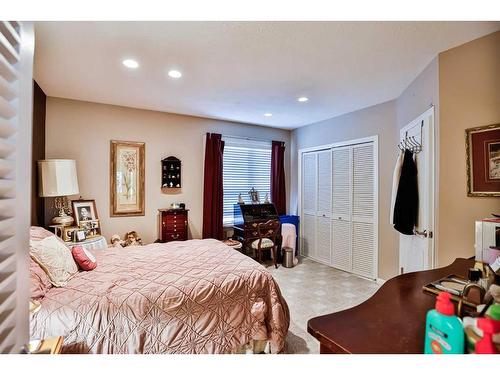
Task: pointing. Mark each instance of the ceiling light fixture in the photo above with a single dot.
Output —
(302, 99)
(131, 64)
(268, 114)
(174, 74)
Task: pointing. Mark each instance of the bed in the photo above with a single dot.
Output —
(197, 296)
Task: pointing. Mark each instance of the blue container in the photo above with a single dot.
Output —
(295, 220)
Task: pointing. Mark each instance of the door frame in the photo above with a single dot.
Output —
(352, 142)
(431, 184)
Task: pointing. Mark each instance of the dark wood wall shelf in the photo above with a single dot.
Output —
(171, 173)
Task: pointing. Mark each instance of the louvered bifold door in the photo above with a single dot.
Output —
(324, 206)
(13, 305)
(363, 210)
(341, 208)
(309, 203)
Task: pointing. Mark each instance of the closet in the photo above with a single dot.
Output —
(338, 189)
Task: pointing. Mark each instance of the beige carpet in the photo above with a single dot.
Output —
(313, 289)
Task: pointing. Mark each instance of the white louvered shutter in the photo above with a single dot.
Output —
(341, 208)
(341, 245)
(309, 200)
(309, 185)
(324, 206)
(341, 180)
(308, 224)
(363, 205)
(16, 58)
(363, 210)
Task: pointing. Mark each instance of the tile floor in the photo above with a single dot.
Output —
(313, 289)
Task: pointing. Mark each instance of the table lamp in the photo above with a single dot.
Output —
(58, 179)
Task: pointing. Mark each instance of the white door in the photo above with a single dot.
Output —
(341, 208)
(416, 252)
(309, 200)
(324, 206)
(364, 238)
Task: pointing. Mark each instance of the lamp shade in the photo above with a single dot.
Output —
(57, 177)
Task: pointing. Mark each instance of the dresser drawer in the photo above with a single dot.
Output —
(174, 236)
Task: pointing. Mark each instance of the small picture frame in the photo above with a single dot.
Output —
(84, 210)
(80, 235)
(91, 227)
(68, 233)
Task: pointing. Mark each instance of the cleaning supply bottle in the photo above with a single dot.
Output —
(489, 328)
(444, 333)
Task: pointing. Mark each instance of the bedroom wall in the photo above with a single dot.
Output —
(469, 83)
(82, 131)
(376, 120)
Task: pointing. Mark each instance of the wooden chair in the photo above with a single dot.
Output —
(267, 232)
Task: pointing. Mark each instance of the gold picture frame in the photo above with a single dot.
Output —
(478, 145)
(127, 176)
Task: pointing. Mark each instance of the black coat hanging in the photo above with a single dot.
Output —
(406, 206)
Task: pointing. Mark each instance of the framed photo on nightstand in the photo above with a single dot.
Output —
(84, 210)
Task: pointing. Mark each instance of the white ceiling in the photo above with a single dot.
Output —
(239, 70)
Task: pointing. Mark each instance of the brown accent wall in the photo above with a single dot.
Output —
(469, 96)
(38, 153)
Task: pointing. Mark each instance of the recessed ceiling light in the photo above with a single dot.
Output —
(131, 64)
(268, 114)
(174, 74)
(303, 99)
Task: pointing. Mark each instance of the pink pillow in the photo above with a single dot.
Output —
(83, 258)
(39, 281)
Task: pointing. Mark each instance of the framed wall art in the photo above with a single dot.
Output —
(483, 161)
(127, 178)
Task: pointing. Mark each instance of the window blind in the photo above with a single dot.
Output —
(246, 164)
(15, 143)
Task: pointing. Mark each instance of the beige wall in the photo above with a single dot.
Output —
(82, 131)
(469, 82)
(377, 120)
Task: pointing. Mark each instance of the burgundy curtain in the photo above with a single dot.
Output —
(212, 188)
(278, 192)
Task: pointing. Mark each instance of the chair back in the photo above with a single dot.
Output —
(269, 229)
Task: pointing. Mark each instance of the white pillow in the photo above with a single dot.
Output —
(55, 259)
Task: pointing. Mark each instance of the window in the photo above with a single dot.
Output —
(246, 164)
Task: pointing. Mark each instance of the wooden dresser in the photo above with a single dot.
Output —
(173, 224)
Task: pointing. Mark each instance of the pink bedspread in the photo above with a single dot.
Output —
(197, 296)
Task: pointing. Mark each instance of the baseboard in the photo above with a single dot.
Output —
(380, 281)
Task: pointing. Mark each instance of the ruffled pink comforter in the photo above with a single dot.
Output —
(197, 296)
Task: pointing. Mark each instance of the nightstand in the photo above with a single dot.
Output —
(93, 243)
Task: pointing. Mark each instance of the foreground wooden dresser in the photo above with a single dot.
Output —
(173, 224)
(392, 321)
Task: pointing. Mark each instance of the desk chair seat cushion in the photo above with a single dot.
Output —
(266, 244)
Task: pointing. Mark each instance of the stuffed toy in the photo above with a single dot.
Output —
(116, 241)
(132, 239)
